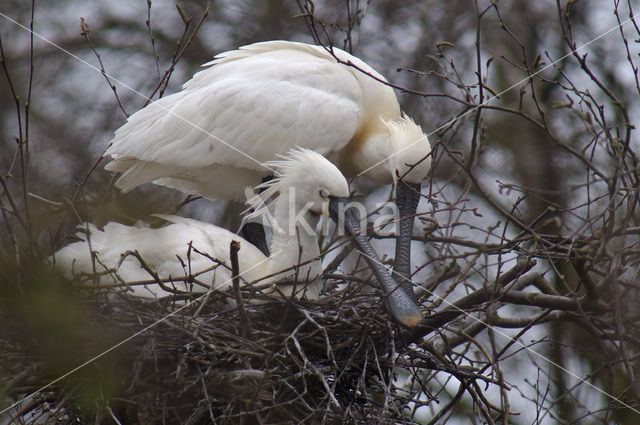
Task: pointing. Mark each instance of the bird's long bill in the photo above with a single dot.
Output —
(400, 305)
(407, 198)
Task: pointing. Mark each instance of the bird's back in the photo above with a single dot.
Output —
(248, 106)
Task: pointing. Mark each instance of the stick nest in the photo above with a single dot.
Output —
(275, 360)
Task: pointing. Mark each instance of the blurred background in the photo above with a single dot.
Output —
(546, 168)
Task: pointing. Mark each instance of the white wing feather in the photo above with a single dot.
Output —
(241, 113)
(160, 249)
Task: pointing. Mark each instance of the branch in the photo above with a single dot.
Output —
(471, 301)
(234, 247)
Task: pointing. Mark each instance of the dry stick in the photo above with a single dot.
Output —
(329, 49)
(153, 40)
(494, 291)
(310, 20)
(25, 142)
(342, 255)
(448, 410)
(458, 308)
(620, 330)
(473, 154)
(84, 28)
(20, 139)
(234, 247)
(186, 279)
(14, 208)
(151, 272)
(162, 84)
(188, 199)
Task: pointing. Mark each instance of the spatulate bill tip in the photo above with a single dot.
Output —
(411, 320)
(407, 314)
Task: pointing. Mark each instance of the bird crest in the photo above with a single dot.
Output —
(404, 129)
(287, 170)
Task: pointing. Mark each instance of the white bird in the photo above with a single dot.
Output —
(256, 102)
(306, 186)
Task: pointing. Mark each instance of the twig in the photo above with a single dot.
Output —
(234, 247)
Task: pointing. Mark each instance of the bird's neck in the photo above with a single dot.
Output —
(294, 242)
(368, 151)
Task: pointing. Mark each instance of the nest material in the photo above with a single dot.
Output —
(272, 361)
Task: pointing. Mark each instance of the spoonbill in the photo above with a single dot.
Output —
(256, 102)
(306, 185)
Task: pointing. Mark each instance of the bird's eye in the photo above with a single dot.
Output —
(324, 193)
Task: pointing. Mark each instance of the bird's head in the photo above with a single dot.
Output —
(316, 180)
(412, 152)
(308, 180)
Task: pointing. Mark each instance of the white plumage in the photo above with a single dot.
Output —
(254, 103)
(301, 189)
(214, 137)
